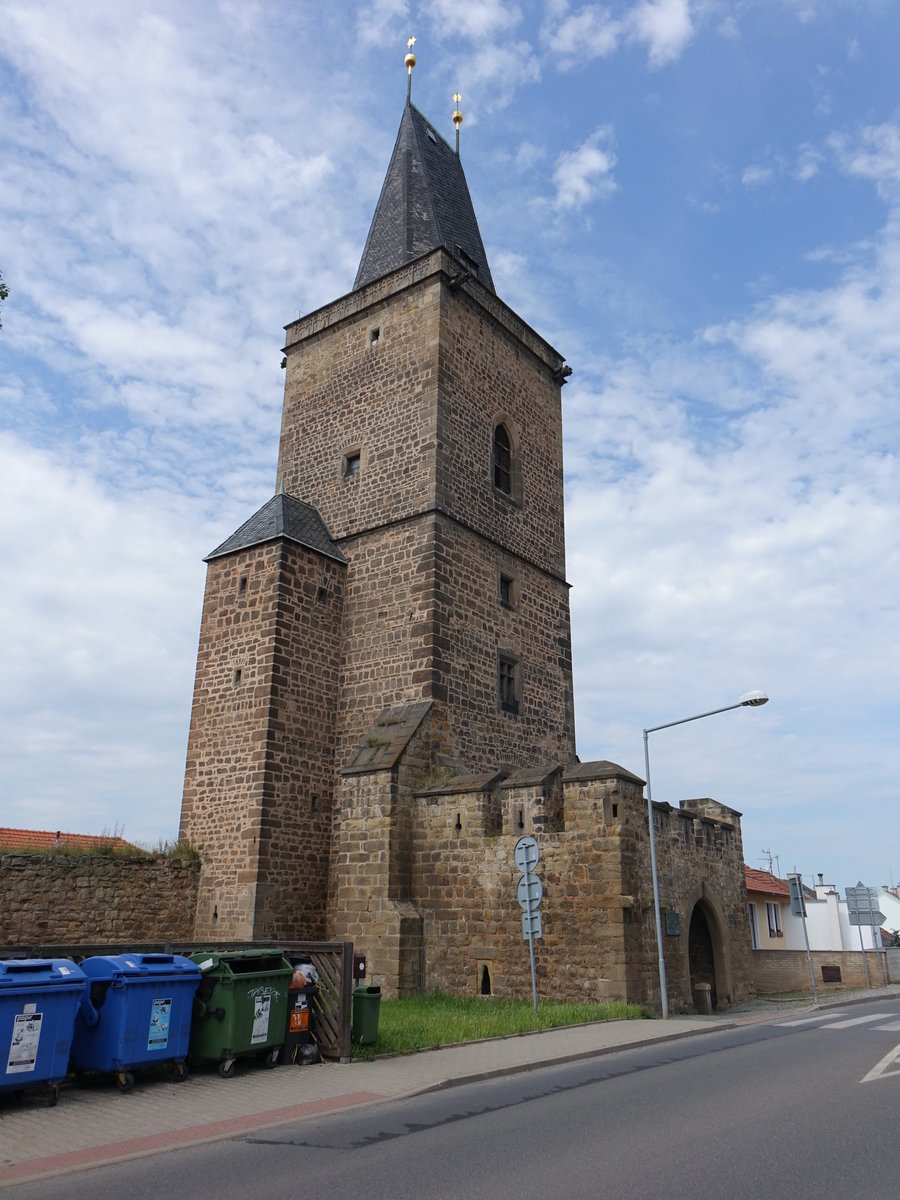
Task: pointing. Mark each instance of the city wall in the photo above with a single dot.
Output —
(54, 899)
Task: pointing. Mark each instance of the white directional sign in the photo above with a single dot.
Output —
(862, 906)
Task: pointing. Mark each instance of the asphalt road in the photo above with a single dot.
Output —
(800, 1108)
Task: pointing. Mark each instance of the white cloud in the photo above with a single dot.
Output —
(476, 22)
(591, 33)
(665, 26)
(809, 159)
(584, 174)
(757, 175)
(383, 22)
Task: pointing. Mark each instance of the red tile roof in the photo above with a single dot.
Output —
(765, 881)
(37, 839)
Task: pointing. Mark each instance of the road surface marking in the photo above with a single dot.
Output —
(891, 1027)
(882, 1069)
(859, 1021)
(810, 1020)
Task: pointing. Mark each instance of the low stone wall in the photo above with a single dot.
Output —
(52, 899)
(777, 971)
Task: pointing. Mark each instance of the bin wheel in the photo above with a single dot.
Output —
(124, 1081)
(226, 1068)
(53, 1096)
(271, 1057)
(180, 1072)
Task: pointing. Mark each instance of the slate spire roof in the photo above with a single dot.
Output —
(424, 204)
(282, 516)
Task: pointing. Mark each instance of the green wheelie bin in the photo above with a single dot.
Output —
(240, 1007)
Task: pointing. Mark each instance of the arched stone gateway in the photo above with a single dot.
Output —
(706, 960)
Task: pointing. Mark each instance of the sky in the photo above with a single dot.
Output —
(697, 202)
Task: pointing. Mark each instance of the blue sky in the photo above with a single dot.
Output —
(696, 201)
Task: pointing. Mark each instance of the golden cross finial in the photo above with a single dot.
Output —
(457, 118)
(409, 62)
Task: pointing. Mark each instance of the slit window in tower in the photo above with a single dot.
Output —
(502, 460)
(508, 683)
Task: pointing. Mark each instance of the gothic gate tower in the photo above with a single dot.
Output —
(398, 612)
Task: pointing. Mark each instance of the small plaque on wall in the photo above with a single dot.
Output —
(673, 924)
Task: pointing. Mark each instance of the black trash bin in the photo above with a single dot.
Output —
(364, 1016)
(299, 1044)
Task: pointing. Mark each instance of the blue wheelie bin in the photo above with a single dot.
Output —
(39, 998)
(135, 1012)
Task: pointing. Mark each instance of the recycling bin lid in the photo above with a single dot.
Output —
(38, 972)
(242, 962)
(115, 966)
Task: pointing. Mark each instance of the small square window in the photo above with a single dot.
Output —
(351, 464)
(237, 676)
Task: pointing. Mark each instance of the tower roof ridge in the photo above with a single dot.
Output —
(424, 204)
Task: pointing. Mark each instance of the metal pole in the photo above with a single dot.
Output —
(751, 700)
(812, 974)
(663, 994)
(529, 914)
(863, 953)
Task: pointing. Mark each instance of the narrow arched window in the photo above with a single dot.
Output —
(502, 460)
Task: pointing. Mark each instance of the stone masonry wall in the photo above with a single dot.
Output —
(423, 618)
(51, 899)
(258, 797)
(487, 376)
(298, 792)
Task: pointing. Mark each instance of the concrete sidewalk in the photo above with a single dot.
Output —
(93, 1125)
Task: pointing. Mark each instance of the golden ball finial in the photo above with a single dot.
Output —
(457, 115)
(410, 61)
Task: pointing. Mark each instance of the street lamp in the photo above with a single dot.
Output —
(749, 700)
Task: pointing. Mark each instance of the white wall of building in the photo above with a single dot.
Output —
(827, 924)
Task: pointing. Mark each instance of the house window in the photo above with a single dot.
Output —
(351, 463)
(773, 914)
(754, 926)
(508, 682)
(502, 460)
(242, 585)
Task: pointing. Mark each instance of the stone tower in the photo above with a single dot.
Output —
(383, 699)
(413, 556)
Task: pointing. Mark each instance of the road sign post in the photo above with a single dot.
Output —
(530, 890)
(862, 909)
(798, 908)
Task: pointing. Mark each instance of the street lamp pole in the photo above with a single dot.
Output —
(750, 700)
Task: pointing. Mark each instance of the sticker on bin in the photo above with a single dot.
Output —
(160, 1019)
(262, 1006)
(23, 1048)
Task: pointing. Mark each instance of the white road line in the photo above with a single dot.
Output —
(859, 1021)
(810, 1020)
(891, 1027)
(880, 1070)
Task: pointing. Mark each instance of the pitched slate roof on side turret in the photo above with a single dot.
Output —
(424, 204)
(282, 516)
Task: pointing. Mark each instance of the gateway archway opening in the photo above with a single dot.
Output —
(702, 955)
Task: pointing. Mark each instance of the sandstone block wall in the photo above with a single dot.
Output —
(258, 797)
(60, 898)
